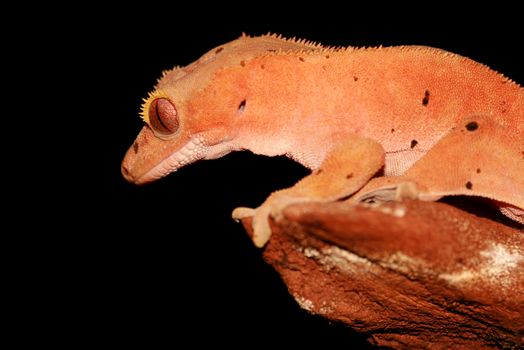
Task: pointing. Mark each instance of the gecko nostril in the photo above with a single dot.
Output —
(127, 174)
(125, 171)
(135, 147)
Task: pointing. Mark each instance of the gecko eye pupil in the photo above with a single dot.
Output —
(163, 117)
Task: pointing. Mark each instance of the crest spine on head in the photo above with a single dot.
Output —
(144, 109)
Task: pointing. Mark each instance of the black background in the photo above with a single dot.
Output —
(164, 263)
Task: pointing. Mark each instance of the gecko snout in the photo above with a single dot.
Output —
(125, 173)
(127, 169)
(129, 174)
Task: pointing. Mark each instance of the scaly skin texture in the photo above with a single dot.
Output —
(436, 123)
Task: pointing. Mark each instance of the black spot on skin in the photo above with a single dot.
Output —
(425, 100)
(301, 59)
(349, 176)
(413, 143)
(392, 130)
(135, 147)
(503, 105)
(478, 170)
(271, 50)
(355, 78)
(242, 106)
(327, 56)
(318, 171)
(243, 63)
(472, 126)
(262, 66)
(469, 185)
(217, 51)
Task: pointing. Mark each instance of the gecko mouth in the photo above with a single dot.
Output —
(189, 153)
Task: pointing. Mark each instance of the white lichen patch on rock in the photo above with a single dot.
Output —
(311, 252)
(404, 264)
(397, 210)
(496, 267)
(304, 303)
(458, 277)
(344, 260)
(326, 309)
(333, 256)
(501, 260)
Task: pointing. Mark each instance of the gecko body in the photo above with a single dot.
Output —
(373, 124)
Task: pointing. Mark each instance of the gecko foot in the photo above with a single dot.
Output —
(273, 207)
(242, 213)
(387, 189)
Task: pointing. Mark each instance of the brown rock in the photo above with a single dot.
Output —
(414, 275)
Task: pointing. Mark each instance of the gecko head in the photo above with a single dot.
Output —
(175, 135)
(204, 110)
(189, 116)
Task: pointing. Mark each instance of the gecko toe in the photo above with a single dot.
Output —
(242, 213)
(261, 228)
(260, 224)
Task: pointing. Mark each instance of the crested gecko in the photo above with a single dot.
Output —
(373, 124)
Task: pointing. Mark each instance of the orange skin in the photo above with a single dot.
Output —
(437, 123)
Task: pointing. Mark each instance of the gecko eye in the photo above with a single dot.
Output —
(162, 116)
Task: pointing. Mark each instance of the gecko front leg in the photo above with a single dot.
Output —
(346, 168)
